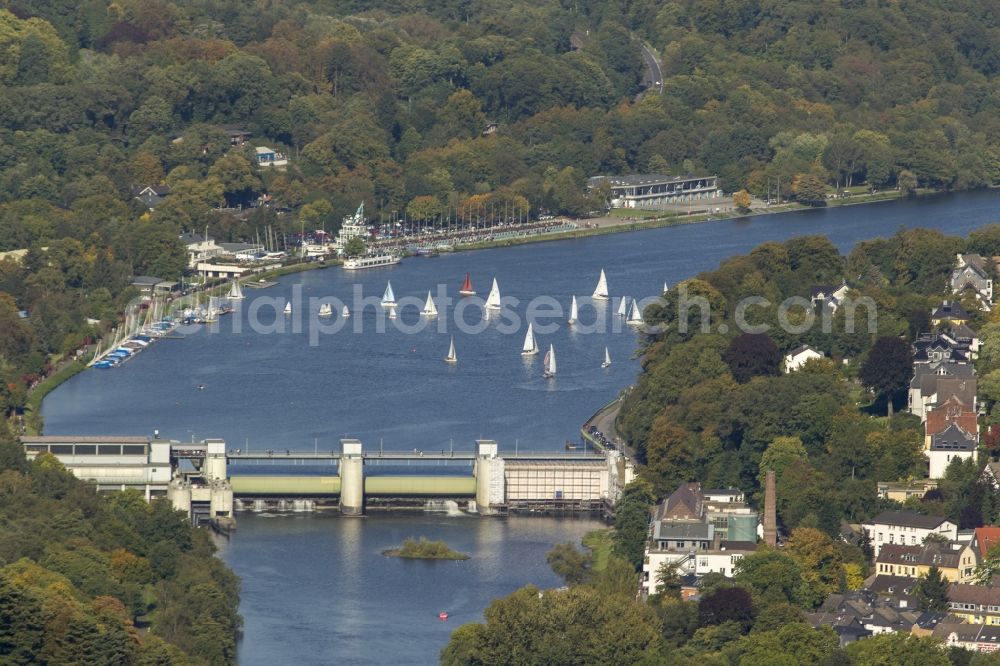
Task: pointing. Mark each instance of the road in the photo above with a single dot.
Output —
(654, 74)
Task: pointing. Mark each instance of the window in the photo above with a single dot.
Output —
(61, 449)
(134, 449)
(86, 449)
(678, 544)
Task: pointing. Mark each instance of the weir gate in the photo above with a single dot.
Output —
(209, 481)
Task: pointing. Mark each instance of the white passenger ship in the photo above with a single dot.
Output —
(371, 261)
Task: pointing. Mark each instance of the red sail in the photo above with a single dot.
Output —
(467, 285)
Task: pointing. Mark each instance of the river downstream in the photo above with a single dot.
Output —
(315, 588)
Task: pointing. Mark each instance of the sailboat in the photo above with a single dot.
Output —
(235, 292)
(665, 288)
(607, 358)
(549, 362)
(288, 308)
(392, 312)
(212, 315)
(346, 312)
(388, 298)
(325, 310)
(601, 292)
(623, 307)
(493, 300)
(530, 346)
(430, 310)
(467, 289)
(451, 357)
(573, 313)
(634, 315)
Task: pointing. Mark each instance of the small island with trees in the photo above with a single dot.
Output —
(422, 549)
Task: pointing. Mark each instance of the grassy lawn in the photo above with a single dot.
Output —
(599, 542)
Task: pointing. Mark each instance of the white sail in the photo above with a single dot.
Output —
(235, 292)
(635, 315)
(550, 362)
(573, 312)
(346, 312)
(388, 298)
(430, 310)
(601, 292)
(392, 312)
(288, 308)
(325, 310)
(623, 306)
(493, 300)
(451, 357)
(607, 358)
(665, 288)
(530, 346)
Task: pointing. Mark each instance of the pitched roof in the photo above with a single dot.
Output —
(929, 554)
(963, 332)
(683, 504)
(968, 633)
(953, 438)
(950, 310)
(980, 595)
(985, 538)
(908, 519)
(801, 349)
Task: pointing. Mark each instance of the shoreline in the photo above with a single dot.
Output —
(33, 407)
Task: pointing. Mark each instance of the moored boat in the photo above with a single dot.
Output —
(371, 261)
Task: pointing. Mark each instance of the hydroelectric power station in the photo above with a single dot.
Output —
(209, 481)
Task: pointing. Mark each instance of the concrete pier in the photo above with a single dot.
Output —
(352, 478)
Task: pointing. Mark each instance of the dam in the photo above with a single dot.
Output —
(210, 482)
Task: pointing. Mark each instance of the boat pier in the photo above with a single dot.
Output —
(210, 481)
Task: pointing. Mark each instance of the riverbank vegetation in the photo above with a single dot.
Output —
(105, 579)
(423, 549)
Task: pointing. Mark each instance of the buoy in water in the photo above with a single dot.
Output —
(442, 616)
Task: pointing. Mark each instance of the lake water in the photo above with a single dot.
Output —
(316, 589)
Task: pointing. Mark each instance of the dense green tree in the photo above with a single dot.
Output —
(931, 591)
(569, 563)
(750, 355)
(632, 520)
(886, 370)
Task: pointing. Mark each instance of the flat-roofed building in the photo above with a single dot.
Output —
(110, 462)
(657, 191)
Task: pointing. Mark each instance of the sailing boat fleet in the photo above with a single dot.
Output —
(628, 309)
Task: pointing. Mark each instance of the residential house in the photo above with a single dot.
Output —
(907, 527)
(151, 195)
(973, 273)
(975, 637)
(828, 295)
(237, 136)
(873, 613)
(951, 443)
(700, 531)
(983, 539)
(966, 335)
(490, 127)
(268, 157)
(799, 356)
(934, 347)
(951, 312)
(951, 411)
(916, 561)
(975, 604)
(933, 383)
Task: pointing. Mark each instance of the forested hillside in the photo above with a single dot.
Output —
(77, 568)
